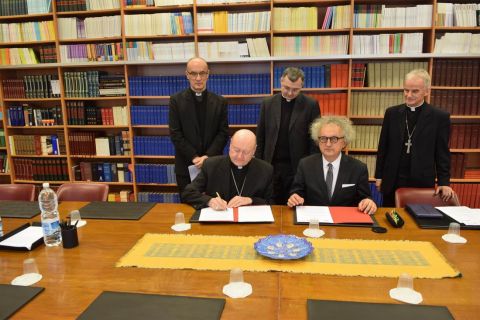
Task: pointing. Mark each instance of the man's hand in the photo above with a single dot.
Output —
(445, 192)
(218, 204)
(295, 200)
(367, 206)
(239, 201)
(378, 184)
(198, 161)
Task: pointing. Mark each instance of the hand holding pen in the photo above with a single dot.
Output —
(217, 203)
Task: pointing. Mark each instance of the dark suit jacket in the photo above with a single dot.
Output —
(430, 156)
(215, 177)
(310, 183)
(304, 112)
(185, 132)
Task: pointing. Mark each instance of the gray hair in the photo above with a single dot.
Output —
(343, 122)
(293, 74)
(422, 74)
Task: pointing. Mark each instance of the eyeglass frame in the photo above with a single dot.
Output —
(194, 75)
(333, 140)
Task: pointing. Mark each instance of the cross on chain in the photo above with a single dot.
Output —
(408, 144)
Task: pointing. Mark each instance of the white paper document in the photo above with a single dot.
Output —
(24, 239)
(462, 214)
(193, 172)
(245, 214)
(308, 213)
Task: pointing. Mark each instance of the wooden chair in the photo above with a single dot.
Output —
(405, 196)
(22, 192)
(82, 192)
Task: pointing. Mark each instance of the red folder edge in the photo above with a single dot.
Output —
(349, 215)
(235, 214)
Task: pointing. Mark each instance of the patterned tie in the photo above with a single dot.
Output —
(329, 181)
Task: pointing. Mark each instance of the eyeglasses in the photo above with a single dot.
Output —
(194, 75)
(333, 140)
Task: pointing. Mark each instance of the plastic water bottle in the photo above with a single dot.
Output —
(48, 203)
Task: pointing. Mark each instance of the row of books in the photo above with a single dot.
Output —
(467, 194)
(92, 52)
(38, 169)
(30, 116)
(458, 14)
(333, 75)
(84, 113)
(387, 43)
(472, 173)
(86, 5)
(376, 195)
(218, 1)
(381, 16)
(102, 171)
(251, 47)
(27, 31)
(243, 113)
(458, 42)
(152, 51)
(2, 138)
(158, 3)
(93, 84)
(92, 27)
(370, 160)
(374, 103)
(458, 73)
(32, 86)
(40, 145)
(153, 146)
(225, 84)
(457, 165)
(161, 197)
(149, 115)
(155, 173)
(157, 24)
(457, 102)
(465, 136)
(310, 45)
(225, 22)
(391, 74)
(3, 163)
(14, 56)
(332, 103)
(296, 18)
(88, 143)
(122, 196)
(367, 137)
(23, 7)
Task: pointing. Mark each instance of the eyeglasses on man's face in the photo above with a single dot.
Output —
(333, 140)
(194, 75)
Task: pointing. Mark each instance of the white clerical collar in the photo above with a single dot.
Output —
(414, 108)
(335, 163)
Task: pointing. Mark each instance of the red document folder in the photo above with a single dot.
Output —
(349, 215)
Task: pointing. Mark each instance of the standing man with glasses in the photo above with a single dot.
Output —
(413, 146)
(282, 131)
(332, 178)
(198, 122)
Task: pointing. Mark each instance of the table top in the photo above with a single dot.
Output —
(73, 278)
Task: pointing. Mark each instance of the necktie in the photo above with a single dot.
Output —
(329, 180)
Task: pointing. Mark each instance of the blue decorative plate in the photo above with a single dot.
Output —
(283, 247)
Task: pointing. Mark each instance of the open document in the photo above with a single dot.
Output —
(240, 214)
(331, 215)
(462, 214)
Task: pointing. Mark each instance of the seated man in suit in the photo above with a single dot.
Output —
(332, 178)
(234, 180)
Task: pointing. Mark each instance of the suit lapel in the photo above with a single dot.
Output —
(343, 172)
(210, 110)
(224, 180)
(276, 113)
(423, 119)
(191, 112)
(401, 124)
(321, 178)
(297, 109)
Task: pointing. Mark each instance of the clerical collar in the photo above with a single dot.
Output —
(198, 95)
(238, 168)
(289, 101)
(415, 108)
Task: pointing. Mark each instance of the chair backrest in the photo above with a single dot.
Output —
(23, 192)
(405, 196)
(82, 192)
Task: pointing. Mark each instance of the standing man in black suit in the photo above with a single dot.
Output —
(198, 122)
(282, 131)
(332, 178)
(413, 147)
(234, 180)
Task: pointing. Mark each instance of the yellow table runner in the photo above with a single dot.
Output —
(370, 258)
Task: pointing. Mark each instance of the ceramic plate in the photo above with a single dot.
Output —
(283, 247)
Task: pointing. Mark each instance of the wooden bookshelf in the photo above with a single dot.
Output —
(241, 65)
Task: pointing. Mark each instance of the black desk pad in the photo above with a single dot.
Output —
(346, 310)
(116, 210)
(123, 305)
(12, 298)
(438, 223)
(19, 209)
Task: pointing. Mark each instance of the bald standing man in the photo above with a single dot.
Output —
(232, 181)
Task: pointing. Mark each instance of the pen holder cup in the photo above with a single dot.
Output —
(70, 237)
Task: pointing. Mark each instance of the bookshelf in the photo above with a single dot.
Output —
(354, 61)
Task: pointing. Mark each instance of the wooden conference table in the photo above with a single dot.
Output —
(73, 278)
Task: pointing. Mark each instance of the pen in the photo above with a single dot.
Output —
(218, 195)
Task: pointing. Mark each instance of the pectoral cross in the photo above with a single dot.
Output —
(408, 144)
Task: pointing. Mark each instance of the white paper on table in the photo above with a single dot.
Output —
(462, 214)
(255, 214)
(308, 213)
(24, 238)
(193, 172)
(208, 214)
